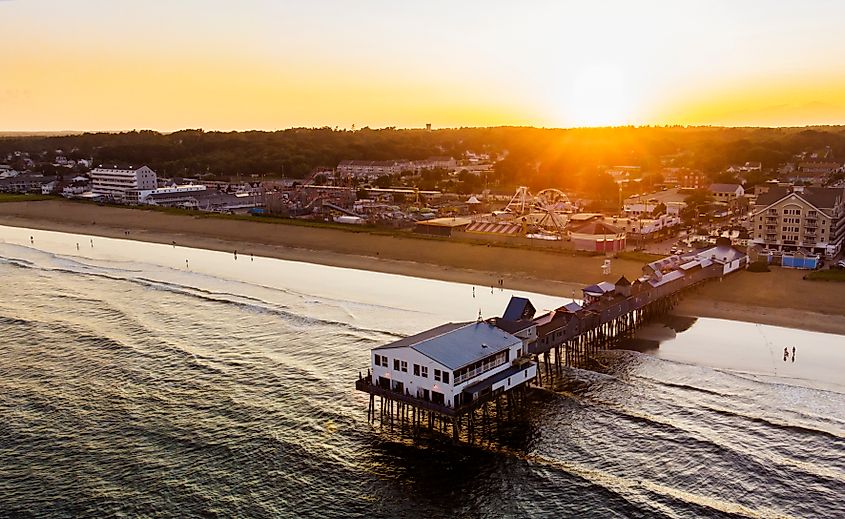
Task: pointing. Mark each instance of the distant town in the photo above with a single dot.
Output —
(790, 213)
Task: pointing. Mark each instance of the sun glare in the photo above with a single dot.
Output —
(598, 97)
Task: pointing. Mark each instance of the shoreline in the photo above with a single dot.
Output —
(791, 302)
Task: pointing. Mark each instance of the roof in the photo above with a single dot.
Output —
(623, 282)
(495, 228)
(571, 307)
(512, 326)
(446, 222)
(129, 167)
(597, 228)
(455, 345)
(724, 188)
(820, 197)
(722, 253)
(518, 308)
(599, 288)
(671, 276)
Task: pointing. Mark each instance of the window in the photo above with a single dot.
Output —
(424, 371)
(404, 366)
(395, 364)
(446, 376)
(377, 360)
(383, 361)
(437, 374)
(416, 370)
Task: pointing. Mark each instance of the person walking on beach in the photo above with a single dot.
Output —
(785, 353)
(793, 354)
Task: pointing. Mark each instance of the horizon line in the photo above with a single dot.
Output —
(67, 132)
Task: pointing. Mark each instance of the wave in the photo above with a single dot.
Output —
(241, 301)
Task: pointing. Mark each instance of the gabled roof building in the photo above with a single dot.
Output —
(800, 219)
(453, 364)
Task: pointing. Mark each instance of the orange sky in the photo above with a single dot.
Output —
(262, 64)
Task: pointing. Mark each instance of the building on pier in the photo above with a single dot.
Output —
(448, 375)
(455, 363)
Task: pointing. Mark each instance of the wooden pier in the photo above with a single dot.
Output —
(569, 336)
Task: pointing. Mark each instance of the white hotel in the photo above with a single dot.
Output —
(115, 181)
(454, 364)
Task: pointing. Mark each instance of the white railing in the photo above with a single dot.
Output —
(485, 367)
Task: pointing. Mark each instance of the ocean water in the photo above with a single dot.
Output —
(134, 384)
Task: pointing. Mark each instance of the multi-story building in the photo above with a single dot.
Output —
(115, 181)
(25, 183)
(377, 168)
(165, 196)
(795, 219)
(372, 168)
(814, 173)
(452, 364)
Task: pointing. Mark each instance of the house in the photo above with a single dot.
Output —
(114, 181)
(453, 364)
(48, 188)
(728, 194)
(76, 187)
(793, 219)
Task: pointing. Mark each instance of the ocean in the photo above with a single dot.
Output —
(140, 379)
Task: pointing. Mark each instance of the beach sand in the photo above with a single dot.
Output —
(779, 298)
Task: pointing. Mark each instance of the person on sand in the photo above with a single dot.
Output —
(785, 353)
(793, 354)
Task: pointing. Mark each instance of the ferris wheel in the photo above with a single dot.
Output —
(552, 200)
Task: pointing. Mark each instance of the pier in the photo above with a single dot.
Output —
(491, 363)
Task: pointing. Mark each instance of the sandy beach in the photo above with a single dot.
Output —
(779, 298)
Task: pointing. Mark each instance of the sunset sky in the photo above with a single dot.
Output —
(269, 64)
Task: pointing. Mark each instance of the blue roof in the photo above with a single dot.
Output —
(599, 288)
(455, 345)
(517, 308)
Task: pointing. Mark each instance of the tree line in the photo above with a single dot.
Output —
(538, 157)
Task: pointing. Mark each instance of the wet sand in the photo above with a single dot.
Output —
(780, 298)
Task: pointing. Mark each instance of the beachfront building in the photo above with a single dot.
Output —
(800, 219)
(173, 196)
(453, 364)
(114, 181)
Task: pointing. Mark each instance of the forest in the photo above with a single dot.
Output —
(541, 157)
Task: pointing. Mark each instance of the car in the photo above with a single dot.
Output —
(841, 264)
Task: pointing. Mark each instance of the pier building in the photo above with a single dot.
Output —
(450, 374)
(452, 364)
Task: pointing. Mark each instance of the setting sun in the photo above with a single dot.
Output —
(598, 97)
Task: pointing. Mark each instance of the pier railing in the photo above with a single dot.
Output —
(365, 385)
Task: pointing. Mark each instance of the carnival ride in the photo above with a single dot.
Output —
(548, 210)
